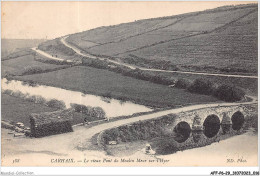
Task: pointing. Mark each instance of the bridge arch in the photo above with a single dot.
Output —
(238, 120)
(211, 125)
(182, 131)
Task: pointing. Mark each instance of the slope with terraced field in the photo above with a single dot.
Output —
(190, 40)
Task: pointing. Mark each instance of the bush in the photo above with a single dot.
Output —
(97, 112)
(32, 70)
(107, 95)
(29, 83)
(142, 130)
(96, 63)
(79, 108)
(201, 86)
(31, 98)
(229, 93)
(56, 104)
(39, 99)
(182, 83)
(90, 111)
(18, 94)
(7, 91)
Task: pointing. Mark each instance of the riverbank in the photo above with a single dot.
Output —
(112, 107)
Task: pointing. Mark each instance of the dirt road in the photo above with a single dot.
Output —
(63, 40)
(70, 143)
(49, 56)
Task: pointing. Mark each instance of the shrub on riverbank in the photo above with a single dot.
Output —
(201, 86)
(30, 83)
(229, 93)
(138, 131)
(182, 83)
(56, 104)
(36, 99)
(223, 92)
(97, 112)
(32, 70)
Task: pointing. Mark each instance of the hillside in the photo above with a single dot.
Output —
(222, 39)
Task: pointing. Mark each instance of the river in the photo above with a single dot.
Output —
(112, 107)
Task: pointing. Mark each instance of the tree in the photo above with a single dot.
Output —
(56, 104)
(182, 83)
(229, 93)
(201, 86)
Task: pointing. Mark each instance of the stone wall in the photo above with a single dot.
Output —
(184, 130)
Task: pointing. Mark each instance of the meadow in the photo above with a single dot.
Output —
(217, 40)
(185, 27)
(109, 84)
(233, 47)
(56, 48)
(16, 109)
(20, 64)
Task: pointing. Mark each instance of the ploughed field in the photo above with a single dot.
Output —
(234, 46)
(221, 38)
(106, 83)
(224, 37)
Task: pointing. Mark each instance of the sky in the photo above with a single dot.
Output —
(38, 20)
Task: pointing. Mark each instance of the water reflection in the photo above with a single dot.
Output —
(113, 107)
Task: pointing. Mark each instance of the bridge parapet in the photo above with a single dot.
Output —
(188, 129)
(203, 113)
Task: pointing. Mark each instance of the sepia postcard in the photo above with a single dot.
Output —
(129, 83)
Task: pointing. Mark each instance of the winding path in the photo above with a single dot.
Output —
(97, 129)
(78, 51)
(49, 56)
(80, 140)
(82, 135)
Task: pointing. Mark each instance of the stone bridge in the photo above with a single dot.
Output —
(185, 129)
(211, 121)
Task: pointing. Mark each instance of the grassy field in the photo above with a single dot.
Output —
(106, 83)
(56, 48)
(232, 47)
(18, 110)
(18, 65)
(205, 20)
(12, 45)
(116, 33)
(186, 26)
(224, 39)
(215, 40)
